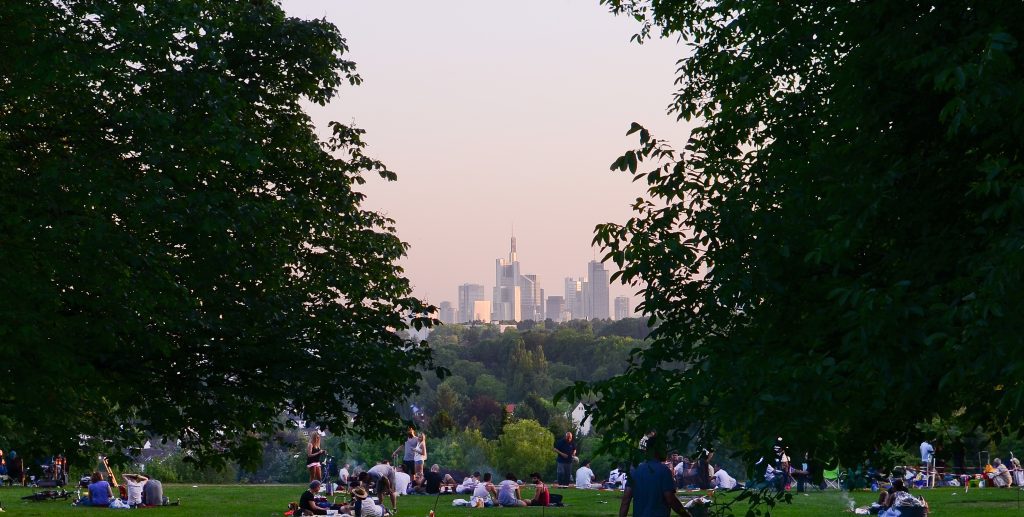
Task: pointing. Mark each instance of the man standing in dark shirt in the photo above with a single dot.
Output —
(566, 449)
(650, 487)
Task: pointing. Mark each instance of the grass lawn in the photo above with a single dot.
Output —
(272, 500)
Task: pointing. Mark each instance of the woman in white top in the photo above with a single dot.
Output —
(420, 454)
(134, 483)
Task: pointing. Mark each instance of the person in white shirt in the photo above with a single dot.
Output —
(367, 506)
(134, 484)
(468, 485)
(723, 480)
(927, 451)
(616, 479)
(484, 491)
(585, 476)
(343, 475)
(402, 481)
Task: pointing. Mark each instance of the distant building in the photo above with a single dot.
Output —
(597, 287)
(532, 300)
(481, 311)
(622, 308)
(555, 308)
(580, 419)
(574, 298)
(469, 294)
(447, 313)
(507, 300)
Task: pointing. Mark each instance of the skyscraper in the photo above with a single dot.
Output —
(469, 294)
(446, 313)
(532, 301)
(622, 308)
(574, 298)
(555, 308)
(507, 301)
(597, 284)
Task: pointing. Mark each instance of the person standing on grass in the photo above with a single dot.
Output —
(566, 450)
(420, 454)
(650, 488)
(314, 455)
(408, 450)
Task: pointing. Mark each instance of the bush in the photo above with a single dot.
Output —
(525, 447)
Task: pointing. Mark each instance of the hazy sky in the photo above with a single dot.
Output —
(496, 114)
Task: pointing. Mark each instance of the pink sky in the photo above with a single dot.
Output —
(496, 114)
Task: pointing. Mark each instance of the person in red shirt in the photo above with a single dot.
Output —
(541, 497)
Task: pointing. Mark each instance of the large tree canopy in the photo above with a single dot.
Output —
(836, 253)
(181, 255)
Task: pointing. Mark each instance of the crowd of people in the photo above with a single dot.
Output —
(370, 490)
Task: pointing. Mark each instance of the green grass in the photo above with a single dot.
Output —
(272, 500)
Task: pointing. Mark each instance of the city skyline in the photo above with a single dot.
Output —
(509, 131)
(518, 296)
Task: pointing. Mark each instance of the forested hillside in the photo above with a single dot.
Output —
(522, 366)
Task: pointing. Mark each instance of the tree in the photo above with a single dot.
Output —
(182, 255)
(524, 447)
(835, 255)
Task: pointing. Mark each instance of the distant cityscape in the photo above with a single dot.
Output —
(518, 297)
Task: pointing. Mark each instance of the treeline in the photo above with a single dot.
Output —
(495, 411)
(513, 374)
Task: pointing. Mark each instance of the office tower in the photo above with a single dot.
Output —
(481, 311)
(506, 304)
(532, 302)
(555, 308)
(622, 308)
(468, 295)
(542, 311)
(597, 296)
(446, 313)
(574, 298)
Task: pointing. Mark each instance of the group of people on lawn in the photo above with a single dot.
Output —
(141, 491)
(389, 481)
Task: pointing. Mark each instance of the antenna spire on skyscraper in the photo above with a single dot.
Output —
(512, 252)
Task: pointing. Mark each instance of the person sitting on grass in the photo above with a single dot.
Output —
(402, 480)
(616, 478)
(307, 502)
(469, 484)
(508, 492)
(585, 476)
(99, 494)
(134, 483)
(1001, 476)
(153, 493)
(364, 506)
(485, 492)
(432, 480)
(542, 497)
(723, 481)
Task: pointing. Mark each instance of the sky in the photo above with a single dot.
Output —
(498, 115)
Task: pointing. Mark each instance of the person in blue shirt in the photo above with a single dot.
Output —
(566, 450)
(650, 486)
(100, 493)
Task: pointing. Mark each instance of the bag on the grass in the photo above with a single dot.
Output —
(118, 504)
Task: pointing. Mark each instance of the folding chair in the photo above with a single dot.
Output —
(834, 478)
